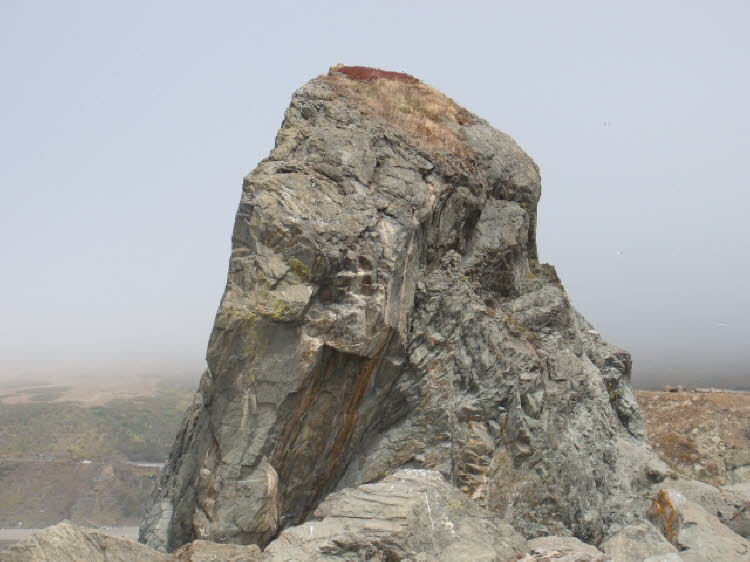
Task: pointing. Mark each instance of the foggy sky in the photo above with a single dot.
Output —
(126, 129)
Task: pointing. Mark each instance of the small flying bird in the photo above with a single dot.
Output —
(720, 325)
(620, 252)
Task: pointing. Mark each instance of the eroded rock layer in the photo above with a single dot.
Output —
(385, 309)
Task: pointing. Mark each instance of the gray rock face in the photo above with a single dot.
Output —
(205, 551)
(385, 309)
(412, 514)
(730, 503)
(736, 514)
(696, 533)
(565, 545)
(637, 542)
(562, 549)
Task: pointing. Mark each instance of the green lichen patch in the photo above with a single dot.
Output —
(300, 269)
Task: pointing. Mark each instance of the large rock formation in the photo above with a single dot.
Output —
(385, 309)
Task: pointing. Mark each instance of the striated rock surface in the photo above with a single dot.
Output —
(637, 542)
(696, 533)
(731, 503)
(410, 514)
(563, 548)
(66, 542)
(385, 309)
(205, 551)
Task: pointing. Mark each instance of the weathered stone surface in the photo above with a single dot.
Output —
(669, 557)
(562, 549)
(66, 542)
(730, 503)
(558, 556)
(205, 551)
(569, 545)
(385, 309)
(704, 535)
(697, 534)
(666, 513)
(637, 542)
(410, 513)
(736, 514)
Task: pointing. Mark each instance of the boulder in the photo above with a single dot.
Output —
(562, 549)
(205, 551)
(558, 556)
(704, 535)
(567, 545)
(66, 542)
(737, 515)
(730, 503)
(696, 533)
(410, 514)
(637, 542)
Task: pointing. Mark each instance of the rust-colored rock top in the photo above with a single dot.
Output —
(365, 73)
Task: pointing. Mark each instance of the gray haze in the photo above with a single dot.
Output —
(126, 128)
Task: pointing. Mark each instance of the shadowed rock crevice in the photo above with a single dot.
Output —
(323, 424)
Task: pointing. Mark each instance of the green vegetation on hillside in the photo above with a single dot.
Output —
(139, 429)
(37, 494)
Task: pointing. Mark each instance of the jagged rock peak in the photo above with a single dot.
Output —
(385, 309)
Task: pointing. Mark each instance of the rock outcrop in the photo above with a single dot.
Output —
(206, 551)
(385, 309)
(636, 543)
(562, 548)
(416, 515)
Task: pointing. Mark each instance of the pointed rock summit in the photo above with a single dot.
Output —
(385, 310)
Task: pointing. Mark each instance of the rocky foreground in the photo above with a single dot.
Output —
(416, 515)
(394, 376)
(385, 309)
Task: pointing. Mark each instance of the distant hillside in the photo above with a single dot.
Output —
(36, 494)
(51, 433)
(76, 420)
